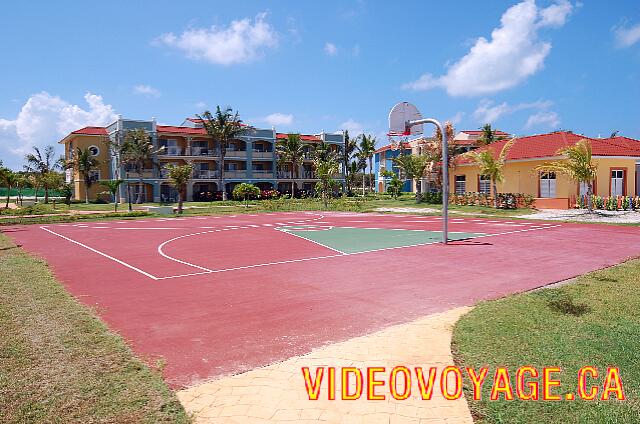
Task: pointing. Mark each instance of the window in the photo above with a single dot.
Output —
(94, 150)
(95, 176)
(617, 182)
(548, 184)
(484, 184)
(203, 166)
(461, 184)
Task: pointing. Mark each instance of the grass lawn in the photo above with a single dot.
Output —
(595, 321)
(60, 363)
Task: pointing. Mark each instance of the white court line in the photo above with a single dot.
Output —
(153, 277)
(284, 230)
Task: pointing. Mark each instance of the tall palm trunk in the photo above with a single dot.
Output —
(46, 194)
(293, 181)
(363, 175)
(223, 153)
(8, 194)
(418, 191)
(180, 202)
(86, 191)
(495, 192)
(371, 174)
(589, 196)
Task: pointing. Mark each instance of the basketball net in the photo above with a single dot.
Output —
(396, 140)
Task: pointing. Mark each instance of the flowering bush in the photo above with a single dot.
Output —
(505, 200)
(609, 203)
(269, 194)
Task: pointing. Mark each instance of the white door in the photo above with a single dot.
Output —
(548, 185)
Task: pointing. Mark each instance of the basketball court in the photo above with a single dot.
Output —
(223, 294)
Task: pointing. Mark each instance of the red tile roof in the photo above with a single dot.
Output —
(479, 132)
(180, 130)
(91, 131)
(403, 145)
(303, 137)
(547, 145)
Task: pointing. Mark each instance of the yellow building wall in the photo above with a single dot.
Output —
(521, 177)
(84, 142)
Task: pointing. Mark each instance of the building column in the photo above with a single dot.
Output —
(156, 192)
(189, 191)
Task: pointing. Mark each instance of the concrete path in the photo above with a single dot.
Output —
(277, 394)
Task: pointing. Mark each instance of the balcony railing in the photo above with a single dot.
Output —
(285, 174)
(262, 173)
(205, 174)
(261, 154)
(202, 151)
(236, 154)
(242, 173)
(173, 151)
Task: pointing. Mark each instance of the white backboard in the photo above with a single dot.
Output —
(398, 117)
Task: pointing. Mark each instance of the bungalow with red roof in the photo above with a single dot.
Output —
(617, 159)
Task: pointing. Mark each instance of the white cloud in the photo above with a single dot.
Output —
(44, 120)
(511, 55)
(457, 118)
(242, 41)
(200, 105)
(146, 90)
(330, 49)
(626, 36)
(354, 127)
(489, 112)
(276, 119)
(543, 119)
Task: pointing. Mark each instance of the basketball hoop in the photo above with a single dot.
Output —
(397, 139)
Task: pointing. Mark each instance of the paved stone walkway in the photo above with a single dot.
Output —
(276, 393)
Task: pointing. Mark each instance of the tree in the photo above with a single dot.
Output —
(67, 192)
(223, 127)
(84, 163)
(578, 166)
(112, 187)
(352, 172)
(491, 166)
(395, 186)
(413, 167)
(8, 178)
(350, 149)
(136, 150)
(179, 176)
(326, 168)
(40, 162)
(53, 180)
(291, 151)
(245, 191)
(22, 181)
(366, 150)
(488, 135)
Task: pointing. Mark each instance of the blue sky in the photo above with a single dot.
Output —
(526, 67)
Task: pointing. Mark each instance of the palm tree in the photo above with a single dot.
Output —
(488, 135)
(40, 162)
(490, 166)
(179, 176)
(136, 150)
(112, 187)
(84, 163)
(9, 179)
(577, 166)
(413, 167)
(291, 151)
(350, 148)
(326, 168)
(223, 127)
(366, 150)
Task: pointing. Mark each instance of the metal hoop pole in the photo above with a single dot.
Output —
(445, 174)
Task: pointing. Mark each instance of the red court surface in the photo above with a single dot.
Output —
(220, 295)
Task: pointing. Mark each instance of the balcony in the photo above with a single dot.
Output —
(261, 154)
(173, 151)
(241, 154)
(308, 175)
(205, 174)
(241, 173)
(262, 173)
(202, 151)
(285, 174)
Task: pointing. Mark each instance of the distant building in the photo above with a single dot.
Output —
(251, 158)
